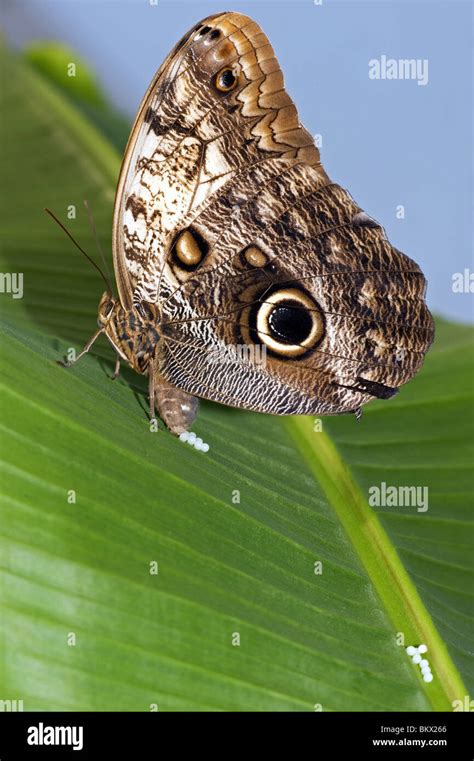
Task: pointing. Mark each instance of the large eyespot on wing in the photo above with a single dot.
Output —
(286, 321)
(216, 107)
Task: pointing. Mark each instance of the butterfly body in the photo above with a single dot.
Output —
(133, 332)
(229, 233)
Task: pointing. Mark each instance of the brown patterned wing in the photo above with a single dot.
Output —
(276, 292)
(192, 133)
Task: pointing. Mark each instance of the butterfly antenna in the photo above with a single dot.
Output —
(58, 222)
(97, 241)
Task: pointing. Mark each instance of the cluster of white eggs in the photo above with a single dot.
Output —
(416, 654)
(190, 438)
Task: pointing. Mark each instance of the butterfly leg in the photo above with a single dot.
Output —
(151, 389)
(117, 370)
(68, 363)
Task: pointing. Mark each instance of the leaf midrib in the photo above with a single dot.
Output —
(397, 592)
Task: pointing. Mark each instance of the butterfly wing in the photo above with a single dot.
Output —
(135, 199)
(174, 157)
(277, 293)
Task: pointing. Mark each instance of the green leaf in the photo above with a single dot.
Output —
(67, 69)
(237, 533)
(68, 72)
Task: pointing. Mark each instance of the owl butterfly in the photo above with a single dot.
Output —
(229, 233)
